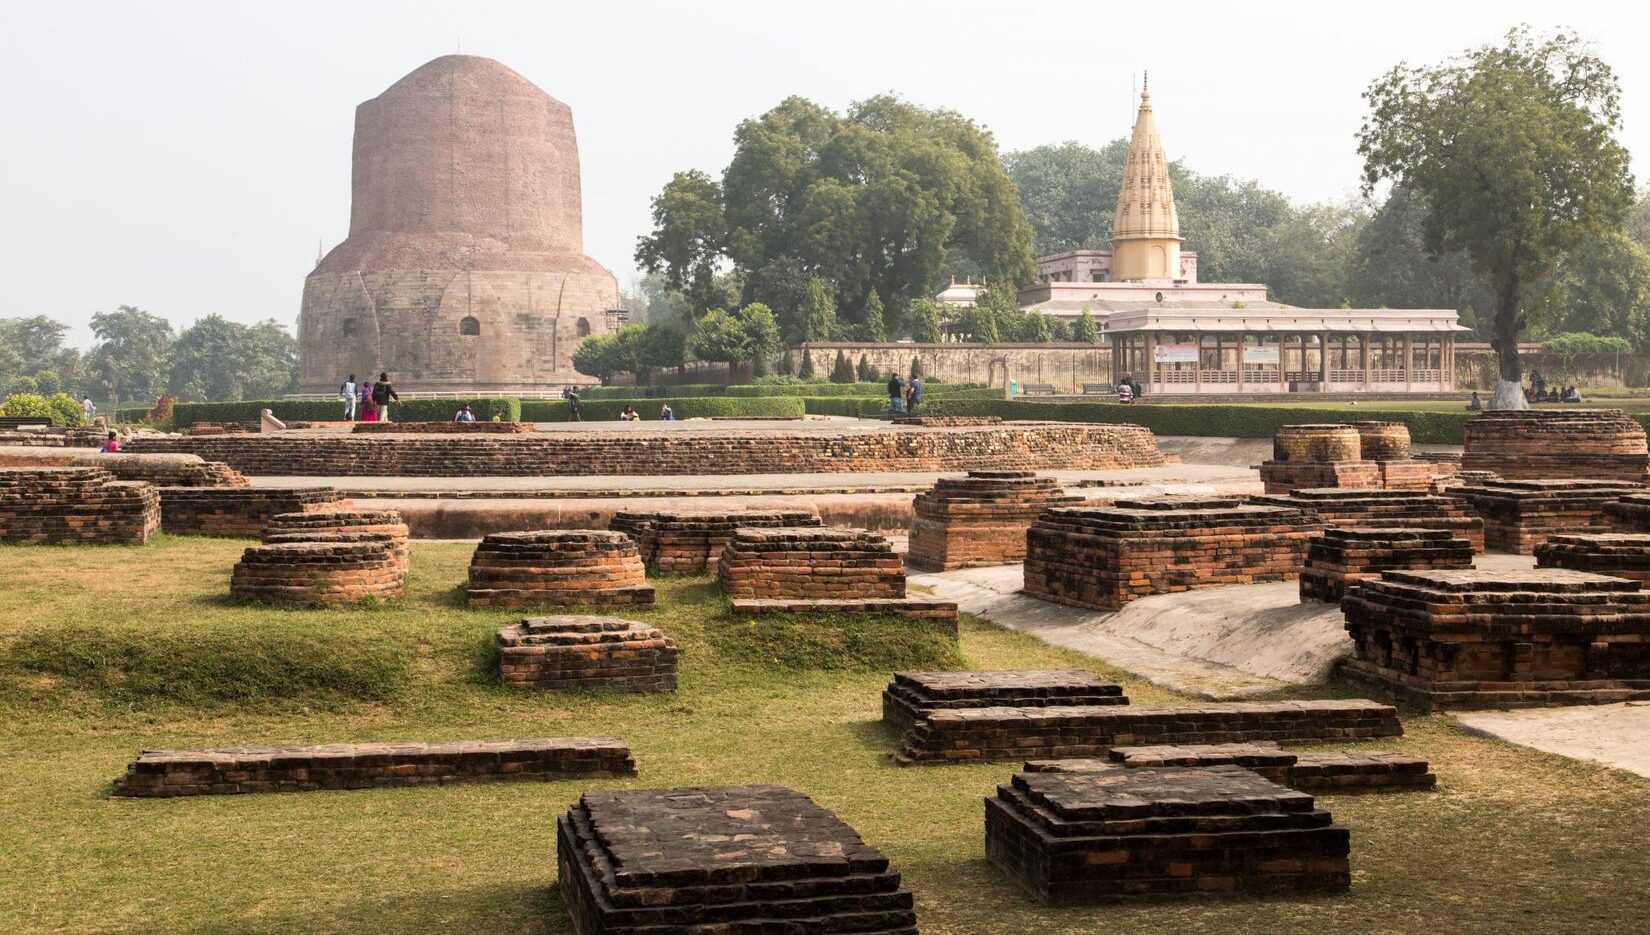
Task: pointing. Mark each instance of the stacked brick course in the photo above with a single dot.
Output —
(740, 859)
(1351, 508)
(827, 562)
(1007, 733)
(165, 470)
(1629, 514)
(1341, 558)
(691, 541)
(1477, 639)
(1519, 514)
(442, 428)
(319, 572)
(237, 511)
(980, 519)
(1104, 558)
(1317, 456)
(558, 568)
(1620, 555)
(341, 526)
(75, 505)
(912, 696)
(1011, 446)
(1119, 834)
(1337, 771)
(1596, 444)
(942, 614)
(234, 770)
(587, 654)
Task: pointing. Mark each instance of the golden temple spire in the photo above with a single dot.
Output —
(1146, 228)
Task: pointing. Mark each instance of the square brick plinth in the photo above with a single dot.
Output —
(828, 562)
(1341, 558)
(1519, 514)
(1533, 444)
(740, 859)
(236, 511)
(1355, 508)
(1339, 771)
(980, 519)
(570, 653)
(557, 568)
(689, 542)
(76, 505)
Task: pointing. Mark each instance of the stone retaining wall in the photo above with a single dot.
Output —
(233, 770)
(1014, 446)
(75, 505)
(557, 568)
(1341, 558)
(237, 511)
(828, 562)
(1519, 514)
(1597, 444)
(980, 519)
(315, 573)
(568, 653)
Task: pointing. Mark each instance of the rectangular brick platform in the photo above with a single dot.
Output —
(1338, 771)
(1120, 834)
(1341, 558)
(1106, 557)
(1011, 446)
(914, 695)
(1280, 477)
(1479, 639)
(557, 568)
(75, 505)
(980, 519)
(686, 542)
(578, 653)
(1620, 555)
(1353, 508)
(1009, 733)
(1518, 514)
(827, 562)
(233, 770)
(736, 860)
(1530, 444)
(942, 614)
(236, 511)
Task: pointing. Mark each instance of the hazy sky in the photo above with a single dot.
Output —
(188, 157)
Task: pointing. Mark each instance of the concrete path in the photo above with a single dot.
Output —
(1616, 735)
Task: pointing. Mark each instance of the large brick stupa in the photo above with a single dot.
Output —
(464, 269)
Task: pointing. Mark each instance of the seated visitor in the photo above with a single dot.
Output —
(666, 414)
(111, 445)
(630, 414)
(1571, 395)
(464, 414)
(1125, 391)
(1475, 404)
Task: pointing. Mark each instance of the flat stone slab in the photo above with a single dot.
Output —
(235, 770)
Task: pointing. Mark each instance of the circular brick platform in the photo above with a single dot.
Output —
(557, 568)
(318, 573)
(341, 526)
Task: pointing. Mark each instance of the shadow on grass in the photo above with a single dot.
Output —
(519, 909)
(877, 737)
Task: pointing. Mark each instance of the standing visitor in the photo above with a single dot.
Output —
(87, 409)
(369, 409)
(913, 395)
(573, 414)
(1134, 386)
(1125, 391)
(895, 388)
(382, 393)
(666, 414)
(349, 391)
(111, 445)
(464, 414)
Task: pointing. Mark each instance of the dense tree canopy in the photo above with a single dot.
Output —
(218, 359)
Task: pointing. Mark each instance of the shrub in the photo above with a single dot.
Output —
(691, 407)
(841, 370)
(164, 411)
(863, 407)
(26, 405)
(65, 411)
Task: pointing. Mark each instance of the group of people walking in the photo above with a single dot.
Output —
(369, 402)
(902, 396)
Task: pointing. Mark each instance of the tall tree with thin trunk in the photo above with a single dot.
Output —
(1514, 148)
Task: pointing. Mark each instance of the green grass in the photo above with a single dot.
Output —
(1514, 841)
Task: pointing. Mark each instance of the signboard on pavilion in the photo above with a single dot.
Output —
(1265, 356)
(1184, 353)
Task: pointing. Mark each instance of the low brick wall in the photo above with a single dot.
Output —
(1629, 514)
(1014, 446)
(1122, 834)
(236, 511)
(914, 695)
(1384, 509)
(1530, 444)
(1337, 771)
(1009, 733)
(441, 428)
(828, 562)
(75, 505)
(327, 525)
(234, 770)
(1619, 555)
(688, 542)
(980, 519)
(1519, 514)
(1104, 558)
(160, 470)
(586, 654)
(1479, 639)
(943, 614)
(1341, 558)
(734, 859)
(557, 568)
(318, 573)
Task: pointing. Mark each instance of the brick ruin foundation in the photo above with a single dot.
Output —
(952, 735)
(1479, 639)
(160, 470)
(1519, 514)
(1629, 514)
(827, 562)
(1534, 444)
(1354, 508)
(1360, 455)
(980, 519)
(327, 525)
(1119, 834)
(75, 505)
(1338, 771)
(1011, 446)
(1105, 557)
(237, 511)
(912, 696)
(739, 859)
(1341, 558)
(942, 614)
(1619, 555)
(557, 568)
(686, 542)
(318, 573)
(578, 653)
(442, 428)
(235, 770)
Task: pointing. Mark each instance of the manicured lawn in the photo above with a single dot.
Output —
(98, 645)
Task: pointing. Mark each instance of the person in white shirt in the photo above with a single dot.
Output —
(351, 397)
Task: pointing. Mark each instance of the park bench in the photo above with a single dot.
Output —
(1098, 389)
(1038, 389)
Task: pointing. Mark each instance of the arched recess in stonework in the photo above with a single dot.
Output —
(469, 325)
(582, 329)
(349, 328)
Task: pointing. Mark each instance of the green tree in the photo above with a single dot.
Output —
(1606, 291)
(1310, 252)
(1392, 268)
(762, 339)
(131, 359)
(719, 336)
(980, 324)
(805, 370)
(1086, 331)
(33, 347)
(690, 234)
(874, 328)
(599, 356)
(924, 317)
(916, 366)
(220, 360)
(817, 321)
(864, 372)
(787, 365)
(65, 411)
(1514, 147)
(841, 370)
(1038, 328)
(1000, 301)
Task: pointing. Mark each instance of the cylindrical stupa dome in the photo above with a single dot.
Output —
(465, 266)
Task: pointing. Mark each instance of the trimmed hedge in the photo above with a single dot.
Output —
(748, 391)
(1432, 428)
(507, 408)
(125, 415)
(696, 407)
